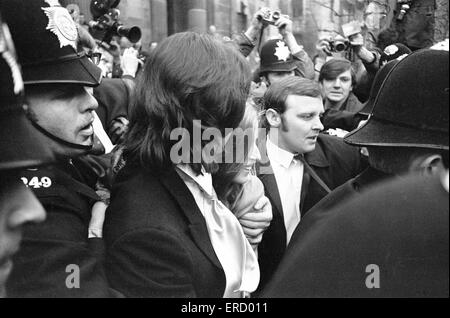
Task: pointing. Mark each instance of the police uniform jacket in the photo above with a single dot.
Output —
(391, 241)
(56, 258)
(355, 186)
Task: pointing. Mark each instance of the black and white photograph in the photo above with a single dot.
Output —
(225, 154)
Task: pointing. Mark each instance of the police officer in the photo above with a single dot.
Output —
(57, 259)
(391, 241)
(407, 132)
(279, 57)
(21, 147)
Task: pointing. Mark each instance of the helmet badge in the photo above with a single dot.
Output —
(61, 24)
(282, 51)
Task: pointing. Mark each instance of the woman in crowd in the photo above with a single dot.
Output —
(235, 182)
(166, 233)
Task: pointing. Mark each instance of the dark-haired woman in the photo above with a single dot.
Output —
(236, 184)
(166, 232)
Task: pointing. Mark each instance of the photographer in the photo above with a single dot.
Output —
(365, 62)
(337, 80)
(303, 66)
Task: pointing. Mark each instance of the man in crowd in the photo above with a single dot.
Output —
(57, 259)
(279, 58)
(337, 80)
(387, 156)
(407, 132)
(299, 165)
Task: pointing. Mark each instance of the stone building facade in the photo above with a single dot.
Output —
(313, 19)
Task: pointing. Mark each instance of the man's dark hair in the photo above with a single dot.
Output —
(333, 68)
(277, 93)
(188, 77)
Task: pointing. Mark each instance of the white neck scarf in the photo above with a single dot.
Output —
(232, 248)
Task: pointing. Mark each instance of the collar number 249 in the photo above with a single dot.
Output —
(36, 183)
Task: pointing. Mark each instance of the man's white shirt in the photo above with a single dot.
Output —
(288, 173)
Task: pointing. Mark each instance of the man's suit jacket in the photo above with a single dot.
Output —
(156, 238)
(333, 161)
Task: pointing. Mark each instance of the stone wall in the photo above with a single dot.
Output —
(313, 19)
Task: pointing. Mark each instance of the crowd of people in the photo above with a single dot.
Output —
(193, 175)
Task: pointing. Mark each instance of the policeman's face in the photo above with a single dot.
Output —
(64, 110)
(338, 89)
(300, 124)
(274, 77)
(18, 206)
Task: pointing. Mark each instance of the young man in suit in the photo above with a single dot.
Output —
(299, 165)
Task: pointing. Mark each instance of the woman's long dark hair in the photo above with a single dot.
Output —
(223, 180)
(188, 77)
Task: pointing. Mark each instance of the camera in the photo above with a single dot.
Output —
(339, 44)
(106, 23)
(270, 16)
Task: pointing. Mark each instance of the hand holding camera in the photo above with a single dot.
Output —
(404, 5)
(284, 25)
(338, 44)
(130, 62)
(356, 40)
(257, 21)
(267, 16)
(324, 46)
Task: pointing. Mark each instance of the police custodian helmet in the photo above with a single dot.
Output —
(411, 108)
(20, 144)
(276, 57)
(46, 38)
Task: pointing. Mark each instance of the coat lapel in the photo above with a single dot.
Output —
(305, 185)
(197, 225)
(317, 160)
(267, 176)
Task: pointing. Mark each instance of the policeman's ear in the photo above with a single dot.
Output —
(428, 165)
(273, 118)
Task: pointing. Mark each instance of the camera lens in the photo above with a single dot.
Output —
(276, 15)
(340, 46)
